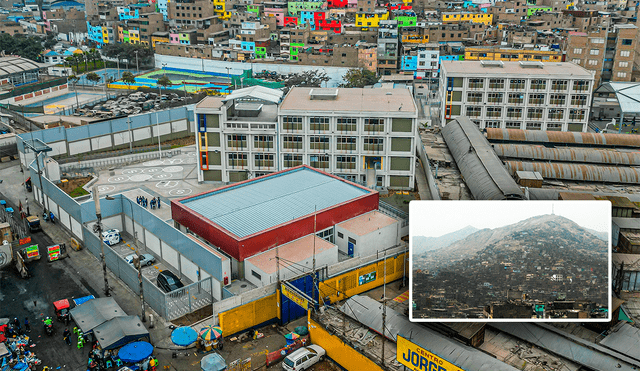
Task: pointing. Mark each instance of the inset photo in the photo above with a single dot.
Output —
(501, 261)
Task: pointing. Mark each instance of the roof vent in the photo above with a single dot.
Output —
(531, 64)
(323, 94)
(492, 64)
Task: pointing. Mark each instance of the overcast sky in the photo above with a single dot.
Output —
(436, 218)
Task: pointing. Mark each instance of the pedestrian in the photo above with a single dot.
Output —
(16, 323)
(27, 326)
(66, 335)
(158, 202)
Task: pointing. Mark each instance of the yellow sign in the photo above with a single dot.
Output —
(295, 297)
(418, 359)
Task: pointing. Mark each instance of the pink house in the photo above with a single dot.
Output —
(275, 12)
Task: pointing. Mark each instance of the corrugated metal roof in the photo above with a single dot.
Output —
(584, 172)
(627, 93)
(481, 168)
(588, 155)
(369, 312)
(565, 137)
(568, 346)
(256, 92)
(626, 223)
(266, 202)
(11, 65)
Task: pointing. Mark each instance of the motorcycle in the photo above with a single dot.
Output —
(48, 326)
(52, 217)
(45, 217)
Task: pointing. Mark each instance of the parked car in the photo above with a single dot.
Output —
(145, 259)
(111, 237)
(303, 358)
(168, 281)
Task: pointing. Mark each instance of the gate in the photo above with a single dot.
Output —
(294, 294)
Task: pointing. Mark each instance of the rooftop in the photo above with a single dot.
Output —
(11, 65)
(355, 99)
(210, 102)
(367, 223)
(253, 206)
(294, 252)
(477, 68)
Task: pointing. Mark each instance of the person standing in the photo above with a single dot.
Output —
(66, 335)
(27, 326)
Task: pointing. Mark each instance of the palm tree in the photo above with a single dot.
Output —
(94, 55)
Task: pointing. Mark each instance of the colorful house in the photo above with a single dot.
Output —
(277, 13)
(337, 3)
(370, 19)
(483, 18)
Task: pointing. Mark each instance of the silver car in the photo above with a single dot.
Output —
(145, 259)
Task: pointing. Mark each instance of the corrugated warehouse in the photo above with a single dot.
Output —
(563, 137)
(482, 170)
(566, 171)
(566, 154)
(255, 215)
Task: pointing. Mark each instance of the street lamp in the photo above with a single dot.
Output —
(118, 64)
(104, 74)
(135, 243)
(98, 230)
(137, 66)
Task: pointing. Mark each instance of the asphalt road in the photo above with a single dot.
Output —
(33, 297)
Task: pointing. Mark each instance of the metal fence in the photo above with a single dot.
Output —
(394, 212)
(168, 305)
(18, 228)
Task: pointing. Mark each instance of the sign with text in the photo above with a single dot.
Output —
(295, 297)
(24, 241)
(417, 359)
(54, 252)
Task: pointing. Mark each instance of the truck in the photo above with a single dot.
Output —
(18, 251)
(34, 223)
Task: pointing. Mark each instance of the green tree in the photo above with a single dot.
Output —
(305, 79)
(93, 77)
(359, 78)
(29, 47)
(128, 78)
(94, 56)
(164, 81)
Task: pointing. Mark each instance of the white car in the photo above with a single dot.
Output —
(303, 358)
(111, 237)
(145, 259)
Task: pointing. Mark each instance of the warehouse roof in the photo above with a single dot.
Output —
(265, 202)
(291, 253)
(11, 65)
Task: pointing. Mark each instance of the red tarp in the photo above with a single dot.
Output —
(61, 304)
(275, 357)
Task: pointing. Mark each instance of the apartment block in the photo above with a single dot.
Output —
(497, 53)
(363, 135)
(517, 95)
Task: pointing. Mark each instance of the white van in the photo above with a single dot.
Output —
(111, 237)
(303, 358)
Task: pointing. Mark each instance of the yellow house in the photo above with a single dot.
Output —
(370, 19)
(415, 38)
(134, 36)
(159, 39)
(514, 55)
(484, 18)
(219, 8)
(105, 34)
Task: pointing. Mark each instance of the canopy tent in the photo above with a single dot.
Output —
(95, 312)
(135, 352)
(213, 362)
(120, 331)
(627, 94)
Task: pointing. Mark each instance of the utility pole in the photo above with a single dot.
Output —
(315, 211)
(384, 306)
(130, 135)
(143, 316)
(277, 266)
(98, 229)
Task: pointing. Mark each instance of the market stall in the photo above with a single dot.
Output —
(120, 331)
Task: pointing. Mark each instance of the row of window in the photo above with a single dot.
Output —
(623, 53)
(533, 99)
(530, 113)
(348, 124)
(239, 159)
(534, 84)
(375, 144)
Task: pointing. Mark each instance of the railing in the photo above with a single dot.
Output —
(394, 212)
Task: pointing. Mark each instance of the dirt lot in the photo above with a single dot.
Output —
(73, 187)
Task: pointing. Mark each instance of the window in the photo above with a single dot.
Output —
(514, 113)
(557, 99)
(581, 85)
(492, 124)
(256, 275)
(597, 41)
(351, 240)
(579, 100)
(577, 51)
(474, 97)
(202, 123)
(593, 62)
(554, 126)
(264, 160)
(292, 123)
(517, 84)
(340, 235)
(625, 53)
(536, 99)
(292, 142)
(345, 162)
(476, 83)
(494, 112)
(627, 42)
(623, 64)
(622, 74)
(374, 124)
(346, 143)
(319, 161)
(516, 98)
(373, 144)
(534, 125)
(538, 84)
(319, 142)
(535, 113)
(512, 125)
(236, 141)
(496, 84)
(575, 60)
(495, 97)
(237, 159)
(473, 111)
(291, 160)
(555, 114)
(559, 85)
(594, 51)
(347, 124)
(263, 141)
(319, 123)
(576, 114)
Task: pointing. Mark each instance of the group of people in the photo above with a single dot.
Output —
(14, 327)
(144, 202)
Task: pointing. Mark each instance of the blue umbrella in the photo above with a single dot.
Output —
(213, 362)
(184, 336)
(135, 352)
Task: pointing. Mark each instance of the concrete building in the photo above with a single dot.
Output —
(363, 135)
(261, 269)
(517, 95)
(367, 234)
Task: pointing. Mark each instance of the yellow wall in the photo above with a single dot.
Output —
(249, 315)
(473, 54)
(347, 284)
(468, 17)
(105, 34)
(420, 39)
(363, 21)
(337, 350)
